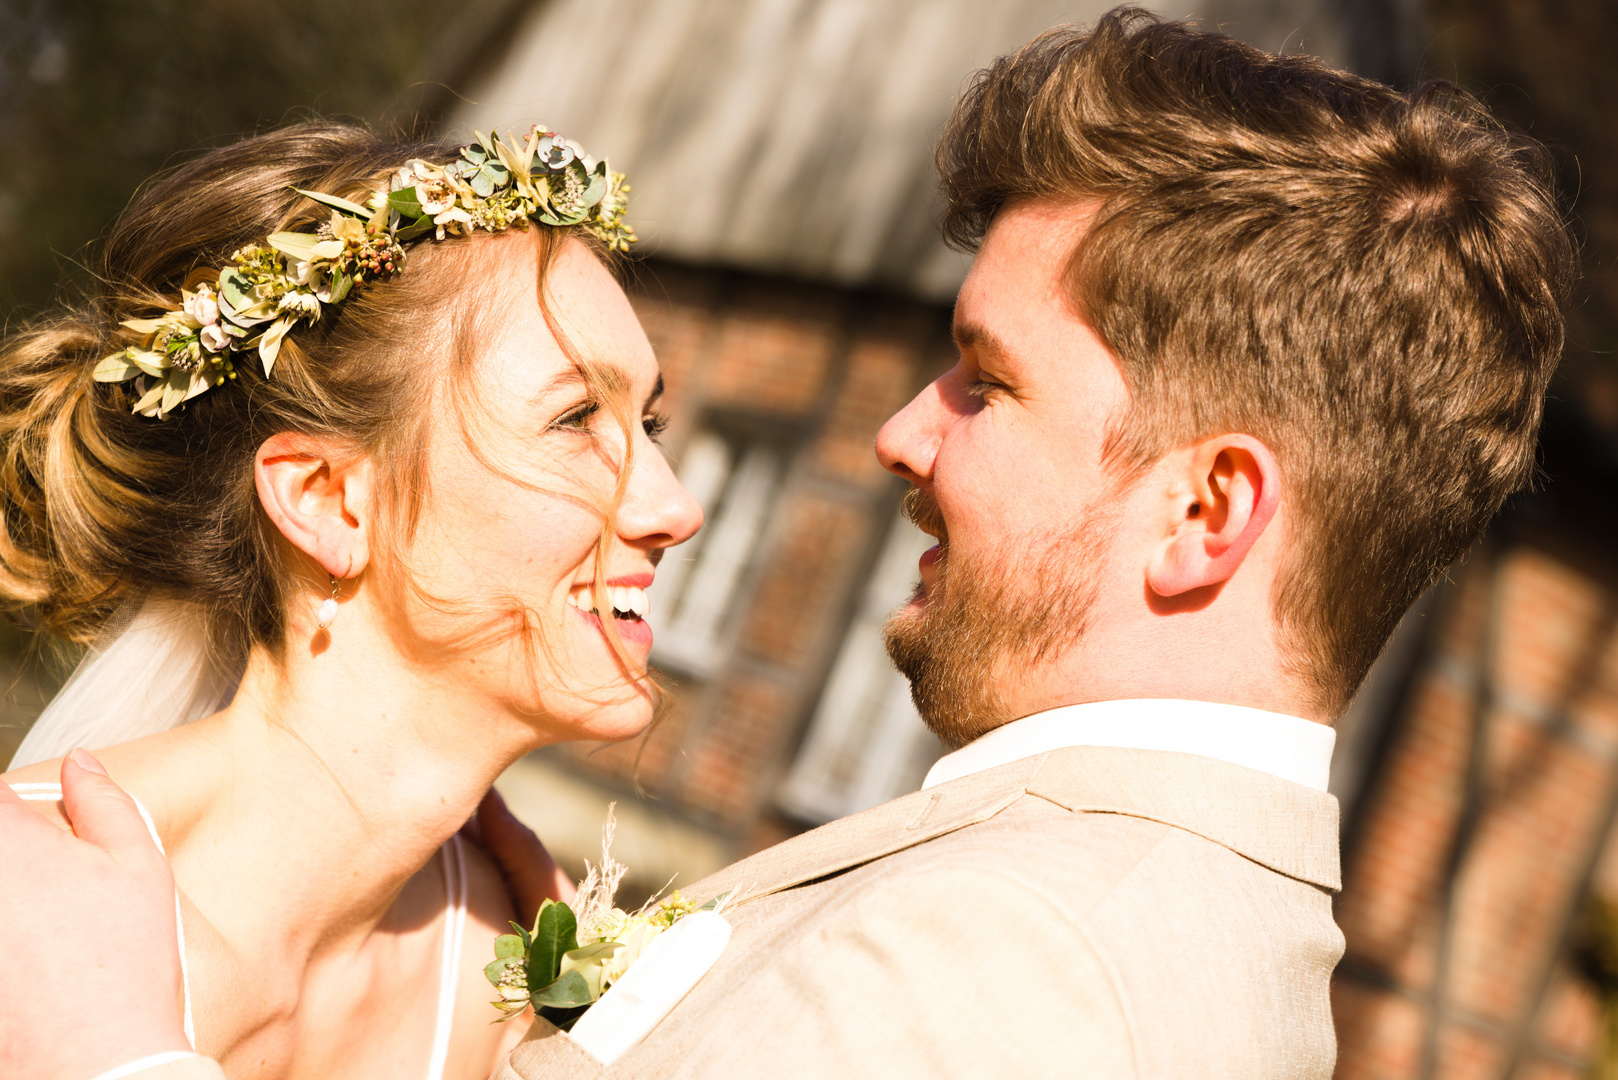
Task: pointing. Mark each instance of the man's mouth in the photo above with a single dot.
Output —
(626, 602)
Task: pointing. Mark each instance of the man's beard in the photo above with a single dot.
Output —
(987, 624)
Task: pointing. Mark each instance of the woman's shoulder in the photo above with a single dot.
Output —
(38, 784)
(146, 768)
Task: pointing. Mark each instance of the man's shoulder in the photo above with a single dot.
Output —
(1031, 843)
(1085, 866)
(1096, 805)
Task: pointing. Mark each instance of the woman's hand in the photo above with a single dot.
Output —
(532, 876)
(89, 963)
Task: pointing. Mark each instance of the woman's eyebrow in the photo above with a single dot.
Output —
(657, 392)
(571, 377)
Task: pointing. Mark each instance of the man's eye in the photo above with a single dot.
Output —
(981, 388)
(579, 417)
(655, 425)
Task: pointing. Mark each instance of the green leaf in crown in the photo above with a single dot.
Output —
(293, 277)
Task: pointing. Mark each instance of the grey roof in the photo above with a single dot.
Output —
(792, 136)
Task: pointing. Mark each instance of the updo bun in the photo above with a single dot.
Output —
(97, 503)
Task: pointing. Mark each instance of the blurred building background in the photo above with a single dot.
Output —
(797, 295)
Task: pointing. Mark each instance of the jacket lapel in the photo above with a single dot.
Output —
(872, 834)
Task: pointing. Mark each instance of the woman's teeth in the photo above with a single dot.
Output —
(626, 600)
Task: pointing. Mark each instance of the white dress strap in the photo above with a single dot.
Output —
(48, 792)
(455, 888)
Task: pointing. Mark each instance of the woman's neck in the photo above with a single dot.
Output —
(296, 816)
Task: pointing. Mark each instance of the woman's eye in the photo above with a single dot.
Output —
(579, 417)
(655, 425)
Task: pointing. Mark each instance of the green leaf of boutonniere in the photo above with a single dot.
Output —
(588, 961)
(507, 946)
(354, 209)
(554, 934)
(567, 992)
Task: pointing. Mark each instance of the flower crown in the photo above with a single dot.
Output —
(294, 276)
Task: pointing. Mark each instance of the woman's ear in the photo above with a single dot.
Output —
(321, 496)
(1227, 496)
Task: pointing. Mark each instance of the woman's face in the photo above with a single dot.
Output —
(520, 481)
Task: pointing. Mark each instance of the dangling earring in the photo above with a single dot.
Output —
(328, 607)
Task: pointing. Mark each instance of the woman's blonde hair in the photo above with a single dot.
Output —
(97, 504)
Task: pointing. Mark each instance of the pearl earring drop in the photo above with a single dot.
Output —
(328, 607)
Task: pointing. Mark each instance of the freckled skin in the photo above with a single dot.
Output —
(308, 961)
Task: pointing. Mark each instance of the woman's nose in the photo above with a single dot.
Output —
(657, 511)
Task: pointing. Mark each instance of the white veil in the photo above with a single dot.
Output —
(150, 669)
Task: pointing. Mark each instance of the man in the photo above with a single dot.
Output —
(1250, 351)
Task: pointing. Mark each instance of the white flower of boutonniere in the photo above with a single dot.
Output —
(574, 953)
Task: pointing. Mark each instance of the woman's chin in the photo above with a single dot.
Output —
(615, 723)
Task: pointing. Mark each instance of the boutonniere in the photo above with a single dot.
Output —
(575, 952)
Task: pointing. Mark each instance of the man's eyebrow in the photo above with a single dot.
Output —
(970, 335)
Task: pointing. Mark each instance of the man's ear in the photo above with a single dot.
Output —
(321, 496)
(1225, 496)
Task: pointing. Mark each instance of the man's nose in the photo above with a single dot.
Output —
(908, 442)
(657, 511)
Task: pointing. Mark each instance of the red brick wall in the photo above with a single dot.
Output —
(1461, 900)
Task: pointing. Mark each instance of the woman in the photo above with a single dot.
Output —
(388, 519)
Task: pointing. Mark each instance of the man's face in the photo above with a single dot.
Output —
(1005, 452)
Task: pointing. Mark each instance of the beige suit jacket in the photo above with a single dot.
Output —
(1091, 912)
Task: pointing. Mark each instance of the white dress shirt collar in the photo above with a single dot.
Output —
(1286, 746)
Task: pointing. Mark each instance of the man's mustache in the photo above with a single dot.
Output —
(922, 510)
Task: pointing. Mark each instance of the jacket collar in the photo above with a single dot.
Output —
(1283, 826)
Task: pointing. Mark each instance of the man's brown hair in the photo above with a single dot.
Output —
(1371, 282)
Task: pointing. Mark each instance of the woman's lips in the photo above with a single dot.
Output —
(634, 632)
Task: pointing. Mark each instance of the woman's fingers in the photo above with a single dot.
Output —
(104, 814)
(531, 874)
(106, 886)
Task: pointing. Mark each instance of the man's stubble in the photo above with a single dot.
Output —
(987, 623)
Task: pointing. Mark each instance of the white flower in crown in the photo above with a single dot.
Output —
(436, 196)
(203, 306)
(215, 338)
